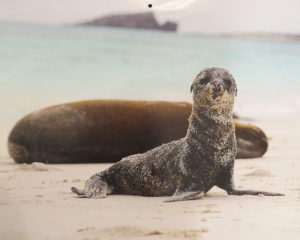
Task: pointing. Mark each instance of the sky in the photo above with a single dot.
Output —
(206, 16)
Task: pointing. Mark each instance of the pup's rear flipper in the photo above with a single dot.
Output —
(77, 191)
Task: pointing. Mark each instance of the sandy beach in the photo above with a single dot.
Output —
(36, 202)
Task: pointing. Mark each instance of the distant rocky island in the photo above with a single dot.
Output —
(137, 20)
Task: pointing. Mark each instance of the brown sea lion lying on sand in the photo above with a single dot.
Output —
(108, 130)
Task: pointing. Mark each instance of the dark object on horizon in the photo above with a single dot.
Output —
(108, 130)
(136, 20)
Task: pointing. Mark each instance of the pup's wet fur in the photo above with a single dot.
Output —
(189, 167)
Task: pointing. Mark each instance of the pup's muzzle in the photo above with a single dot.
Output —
(217, 87)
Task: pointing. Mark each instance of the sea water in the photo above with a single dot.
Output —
(45, 65)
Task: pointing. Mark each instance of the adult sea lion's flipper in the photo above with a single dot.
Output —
(251, 140)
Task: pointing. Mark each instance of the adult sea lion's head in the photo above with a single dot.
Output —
(214, 87)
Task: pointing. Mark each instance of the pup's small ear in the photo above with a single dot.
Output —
(192, 87)
(235, 89)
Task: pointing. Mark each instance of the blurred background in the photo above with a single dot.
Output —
(46, 58)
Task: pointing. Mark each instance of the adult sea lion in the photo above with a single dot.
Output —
(188, 167)
(107, 130)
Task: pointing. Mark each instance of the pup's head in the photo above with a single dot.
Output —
(214, 87)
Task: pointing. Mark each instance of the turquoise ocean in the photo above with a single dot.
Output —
(45, 65)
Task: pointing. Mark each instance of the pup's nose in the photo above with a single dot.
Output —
(218, 85)
(217, 82)
(218, 88)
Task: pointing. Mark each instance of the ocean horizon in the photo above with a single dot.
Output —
(43, 65)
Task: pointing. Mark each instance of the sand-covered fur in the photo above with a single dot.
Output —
(190, 166)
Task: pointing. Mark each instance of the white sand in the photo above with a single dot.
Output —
(36, 202)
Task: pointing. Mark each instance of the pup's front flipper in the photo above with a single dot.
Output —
(251, 192)
(184, 196)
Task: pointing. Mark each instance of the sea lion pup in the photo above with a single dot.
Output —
(191, 166)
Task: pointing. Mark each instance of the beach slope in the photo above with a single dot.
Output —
(36, 202)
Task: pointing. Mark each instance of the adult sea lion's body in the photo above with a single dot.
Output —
(187, 167)
(108, 130)
(96, 131)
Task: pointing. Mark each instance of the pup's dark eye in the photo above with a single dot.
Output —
(227, 82)
(204, 80)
